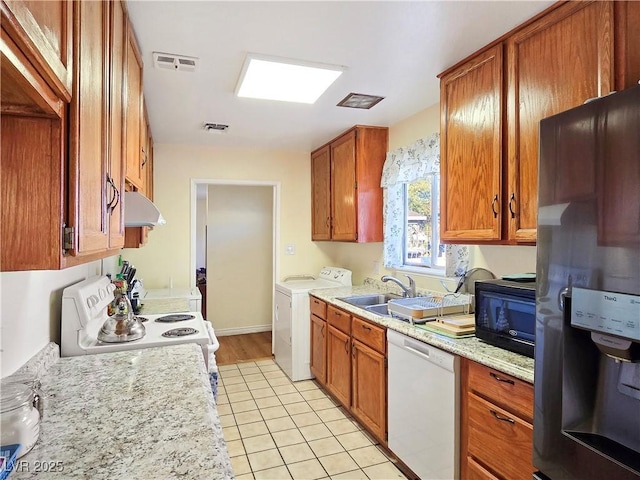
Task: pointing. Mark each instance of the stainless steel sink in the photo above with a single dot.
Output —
(369, 300)
(381, 310)
(376, 304)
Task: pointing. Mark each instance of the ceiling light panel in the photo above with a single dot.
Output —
(287, 80)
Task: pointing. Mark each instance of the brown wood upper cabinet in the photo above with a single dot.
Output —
(89, 121)
(43, 31)
(134, 113)
(62, 153)
(345, 186)
(492, 103)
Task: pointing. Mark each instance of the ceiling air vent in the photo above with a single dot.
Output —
(359, 100)
(216, 127)
(170, 61)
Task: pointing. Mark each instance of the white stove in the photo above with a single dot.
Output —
(291, 332)
(84, 311)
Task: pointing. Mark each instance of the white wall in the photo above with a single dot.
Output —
(30, 311)
(201, 232)
(168, 252)
(240, 258)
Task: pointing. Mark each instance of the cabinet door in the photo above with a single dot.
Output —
(470, 150)
(339, 365)
(619, 172)
(148, 166)
(88, 127)
(554, 64)
(627, 38)
(369, 392)
(144, 150)
(321, 195)
(344, 203)
(133, 110)
(115, 190)
(44, 30)
(319, 349)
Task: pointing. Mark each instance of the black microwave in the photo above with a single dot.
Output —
(505, 314)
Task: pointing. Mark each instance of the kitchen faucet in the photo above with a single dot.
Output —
(409, 291)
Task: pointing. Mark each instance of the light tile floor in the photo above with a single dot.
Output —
(278, 429)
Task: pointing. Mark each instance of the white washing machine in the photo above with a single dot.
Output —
(291, 318)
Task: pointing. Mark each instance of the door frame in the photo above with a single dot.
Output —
(275, 186)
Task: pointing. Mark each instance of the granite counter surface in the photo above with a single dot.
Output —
(503, 360)
(138, 414)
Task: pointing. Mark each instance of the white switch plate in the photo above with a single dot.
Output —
(291, 250)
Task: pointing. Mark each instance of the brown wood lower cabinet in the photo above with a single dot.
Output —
(339, 365)
(319, 349)
(477, 472)
(369, 388)
(496, 424)
(348, 358)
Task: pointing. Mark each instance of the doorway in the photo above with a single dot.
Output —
(236, 238)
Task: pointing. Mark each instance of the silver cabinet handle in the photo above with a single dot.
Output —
(501, 418)
(500, 379)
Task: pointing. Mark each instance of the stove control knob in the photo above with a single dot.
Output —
(103, 293)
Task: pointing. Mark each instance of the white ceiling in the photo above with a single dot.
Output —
(390, 48)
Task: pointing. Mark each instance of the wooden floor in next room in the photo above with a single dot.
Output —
(243, 348)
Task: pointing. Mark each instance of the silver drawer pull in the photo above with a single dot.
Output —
(502, 419)
(503, 380)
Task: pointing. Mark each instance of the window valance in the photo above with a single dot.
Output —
(408, 164)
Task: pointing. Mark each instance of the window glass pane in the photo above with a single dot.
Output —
(419, 246)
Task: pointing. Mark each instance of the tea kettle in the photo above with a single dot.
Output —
(123, 325)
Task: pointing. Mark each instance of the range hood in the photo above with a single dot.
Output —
(139, 211)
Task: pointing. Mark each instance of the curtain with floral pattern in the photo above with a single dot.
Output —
(405, 165)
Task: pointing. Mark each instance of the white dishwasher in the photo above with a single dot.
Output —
(424, 407)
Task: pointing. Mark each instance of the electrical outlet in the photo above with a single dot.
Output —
(290, 250)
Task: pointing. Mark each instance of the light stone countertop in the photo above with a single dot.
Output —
(138, 414)
(472, 348)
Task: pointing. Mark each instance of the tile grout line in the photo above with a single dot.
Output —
(371, 440)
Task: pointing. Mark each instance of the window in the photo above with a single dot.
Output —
(411, 182)
(421, 246)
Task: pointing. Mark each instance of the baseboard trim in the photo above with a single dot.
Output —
(225, 332)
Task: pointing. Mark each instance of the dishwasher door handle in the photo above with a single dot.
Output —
(429, 353)
(418, 348)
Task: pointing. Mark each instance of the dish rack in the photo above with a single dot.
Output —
(423, 309)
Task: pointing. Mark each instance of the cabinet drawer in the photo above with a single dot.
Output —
(369, 334)
(508, 392)
(500, 440)
(318, 308)
(339, 319)
(478, 472)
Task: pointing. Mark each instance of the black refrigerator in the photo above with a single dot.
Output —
(587, 353)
